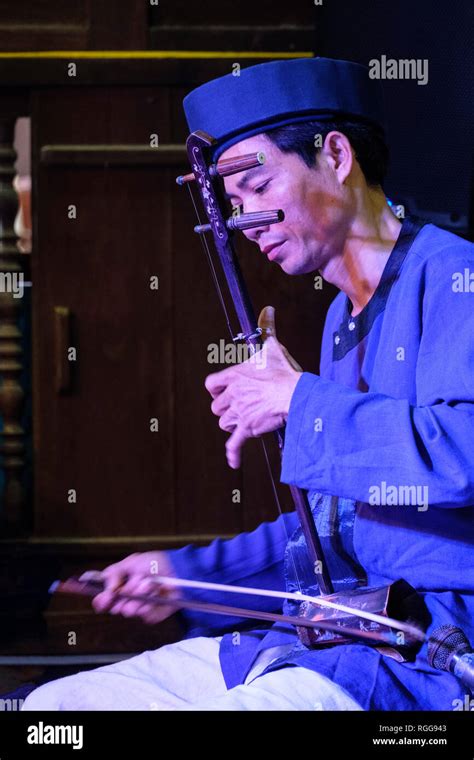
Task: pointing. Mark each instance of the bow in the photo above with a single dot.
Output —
(399, 633)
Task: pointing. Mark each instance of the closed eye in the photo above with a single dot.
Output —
(261, 188)
(258, 191)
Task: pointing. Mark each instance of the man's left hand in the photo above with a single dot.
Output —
(254, 397)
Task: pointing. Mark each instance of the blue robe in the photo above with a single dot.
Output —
(383, 441)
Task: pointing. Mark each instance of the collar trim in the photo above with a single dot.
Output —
(353, 329)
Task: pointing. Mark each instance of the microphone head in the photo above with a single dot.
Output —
(446, 641)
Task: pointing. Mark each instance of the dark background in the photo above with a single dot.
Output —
(430, 127)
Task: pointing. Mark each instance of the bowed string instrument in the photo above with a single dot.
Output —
(387, 616)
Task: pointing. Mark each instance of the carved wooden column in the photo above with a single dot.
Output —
(11, 304)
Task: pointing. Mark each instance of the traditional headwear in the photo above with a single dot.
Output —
(232, 108)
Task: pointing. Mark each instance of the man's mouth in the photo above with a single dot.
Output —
(272, 250)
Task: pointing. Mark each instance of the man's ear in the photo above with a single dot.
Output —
(339, 154)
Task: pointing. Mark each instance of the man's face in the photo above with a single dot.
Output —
(314, 201)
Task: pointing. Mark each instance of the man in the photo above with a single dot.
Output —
(381, 439)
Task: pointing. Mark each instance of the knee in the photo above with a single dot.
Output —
(46, 697)
(54, 695)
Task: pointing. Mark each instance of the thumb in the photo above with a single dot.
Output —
(266, 321)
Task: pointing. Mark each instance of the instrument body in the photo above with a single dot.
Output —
(399, 600)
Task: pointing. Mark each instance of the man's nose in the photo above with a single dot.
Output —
(255, 233)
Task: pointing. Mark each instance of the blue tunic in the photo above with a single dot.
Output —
(383, 440)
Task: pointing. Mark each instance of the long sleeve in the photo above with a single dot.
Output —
(253, 559)
(346, 442)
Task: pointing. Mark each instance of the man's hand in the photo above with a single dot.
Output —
(135, 575)
(254, 397)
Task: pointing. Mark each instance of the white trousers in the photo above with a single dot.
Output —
(187, 676)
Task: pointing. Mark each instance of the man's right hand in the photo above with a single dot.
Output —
(135, 575)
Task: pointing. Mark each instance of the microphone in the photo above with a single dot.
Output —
(449, 649)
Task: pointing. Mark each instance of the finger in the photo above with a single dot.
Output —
(233, 447)
(266, 321)
(130, 609)
(110, 602)
(139, 607)
(146, 586)
(218, 381)
(115, 577)
(92, 575)
(221, 403)
(104, 601)
(228, 422)
(121, 568)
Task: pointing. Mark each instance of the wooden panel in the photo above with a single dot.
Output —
(245, 38)
(97, 438)
(101, 115)
(248, 12)
(105, 156)
(118, 25)
(79, 25)
(43, 12)
(43, 24)
(184, 70)
(219, 26)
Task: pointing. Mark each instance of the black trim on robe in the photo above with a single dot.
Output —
(353, 329)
